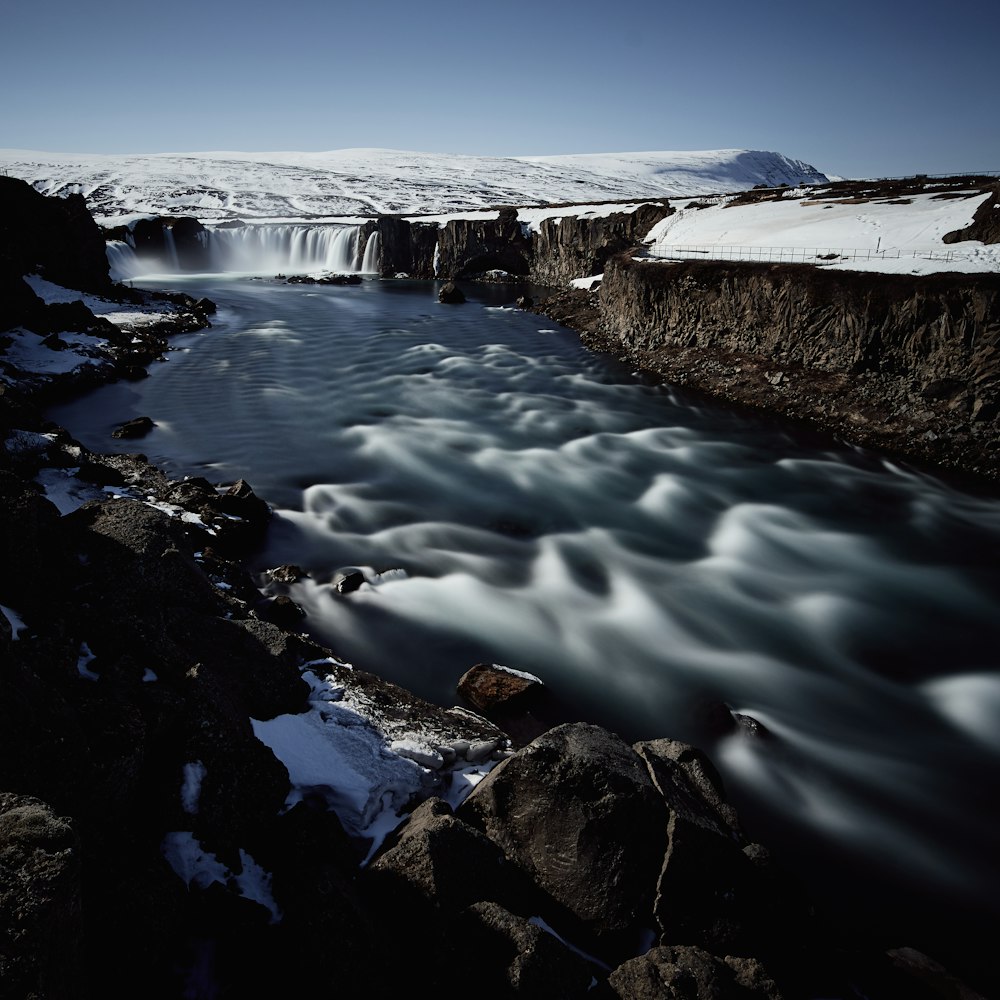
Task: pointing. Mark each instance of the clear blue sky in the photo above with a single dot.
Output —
(853, 88)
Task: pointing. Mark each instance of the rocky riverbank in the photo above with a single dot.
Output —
(198, 800)
(905, 364)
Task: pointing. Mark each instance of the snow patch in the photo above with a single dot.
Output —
(194, 774)
(17, 625)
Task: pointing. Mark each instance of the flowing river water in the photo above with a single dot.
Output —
(514, 498)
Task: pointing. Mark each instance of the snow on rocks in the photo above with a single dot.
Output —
(199, 867)
(369, 760)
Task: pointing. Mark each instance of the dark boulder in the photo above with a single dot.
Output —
(287, 574)
(488, 686)
(688, 973)
(451, 294)
(282, 611)
(349, 583)
(524, 302)
(558, 807)
(514, 957)
(31, 538)
(135, 428)
(442, 860)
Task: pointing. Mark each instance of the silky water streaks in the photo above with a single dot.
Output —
(822, 621)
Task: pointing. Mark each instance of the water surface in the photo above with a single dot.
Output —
(511, 497)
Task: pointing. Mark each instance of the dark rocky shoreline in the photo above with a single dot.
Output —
(578, 865)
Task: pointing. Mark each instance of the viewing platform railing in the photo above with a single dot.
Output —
(790, 255)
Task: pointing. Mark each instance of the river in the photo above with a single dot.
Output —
(514, 498)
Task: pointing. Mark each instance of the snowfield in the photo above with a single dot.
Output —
(358, 182)
(902, 238)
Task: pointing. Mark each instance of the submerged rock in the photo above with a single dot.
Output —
(135, 428)
(451, 294)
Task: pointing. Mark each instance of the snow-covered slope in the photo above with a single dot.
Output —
(352, 182)
(902, 236)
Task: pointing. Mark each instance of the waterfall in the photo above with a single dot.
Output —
(370, 265)
(258, 249)
(285, 248)
(168, 241)
(122, 260)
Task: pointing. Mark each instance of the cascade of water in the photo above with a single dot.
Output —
(122, 260)
(370, 265)
(173, 261)
(268, 248)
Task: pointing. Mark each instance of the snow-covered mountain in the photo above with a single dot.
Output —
(360, 182)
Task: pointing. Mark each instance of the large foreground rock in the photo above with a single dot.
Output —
(558, 810)
(41, 930)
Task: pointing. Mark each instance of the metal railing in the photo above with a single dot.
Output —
(801, 255)
(792, 255)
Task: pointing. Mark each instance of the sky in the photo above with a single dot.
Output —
(855, 89)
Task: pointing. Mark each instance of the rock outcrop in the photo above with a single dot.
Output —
(575, 247)
(909, 364)
(56, 237)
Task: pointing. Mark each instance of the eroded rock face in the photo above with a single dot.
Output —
(473, 246)
(985, 225)
(849, 352)
(572, 247)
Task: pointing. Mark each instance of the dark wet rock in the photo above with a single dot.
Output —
(688, 781)
(488, 686)
(524, 302)
(340, 279)
(205, 306)
(193, 494)
(241, 501)
(245, 518)
(135, 428)
(282, 611)
(450, 293)
(31, 538)
(349, 583)
(557, 808)
(41, 920)
(689, 973)
(921, 976)
(752, 727)
(516, 958)
(443, 860)
(287, 574)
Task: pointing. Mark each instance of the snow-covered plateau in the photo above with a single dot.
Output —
(215, 186)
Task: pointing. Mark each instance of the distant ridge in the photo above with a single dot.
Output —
(217, 186)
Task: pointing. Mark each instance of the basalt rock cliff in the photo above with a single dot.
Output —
(903, 362)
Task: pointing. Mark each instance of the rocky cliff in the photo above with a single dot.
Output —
(575, 247)
(563, 248)
(55, 237)
(908, 363)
